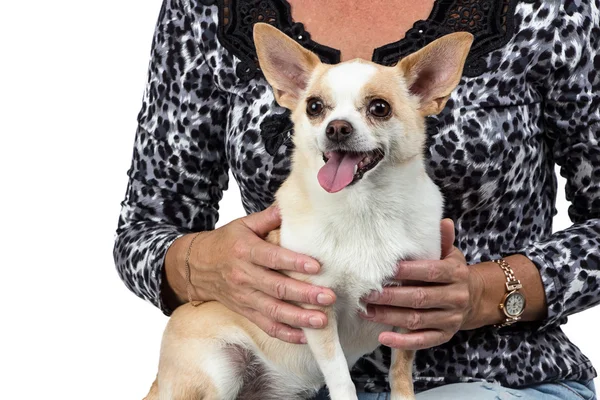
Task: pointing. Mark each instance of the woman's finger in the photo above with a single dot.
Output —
(412, 319)
(264, 221)
(289, 314)
(448, 236)
(275, 329)
(419, 297)
(434, 271)
(414, 340)
(285, 288)
(276, 257)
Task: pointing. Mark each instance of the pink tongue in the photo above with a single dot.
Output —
(338, 172)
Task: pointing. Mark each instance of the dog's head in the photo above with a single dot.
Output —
(353, 117)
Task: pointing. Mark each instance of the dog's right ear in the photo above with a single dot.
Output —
(286, 65)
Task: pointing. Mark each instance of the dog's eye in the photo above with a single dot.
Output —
(314, 106)
(379, 108)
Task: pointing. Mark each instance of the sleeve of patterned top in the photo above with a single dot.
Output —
(178, 171)
(569, 260)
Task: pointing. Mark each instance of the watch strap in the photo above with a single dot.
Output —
(512, 284)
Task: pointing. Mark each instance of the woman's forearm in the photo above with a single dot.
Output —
(493, 284)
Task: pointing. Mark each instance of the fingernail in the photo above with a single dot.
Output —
(386, 341)
(369, 313)
(315, 322)
(400, 266)
(373, 296)
(303, 340)
(324, 299)
(311, 268)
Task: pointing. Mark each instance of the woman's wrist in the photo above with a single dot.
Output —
(174, 290)
(492, 288)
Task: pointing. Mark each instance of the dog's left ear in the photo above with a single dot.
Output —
(433, 72)
(286, 65)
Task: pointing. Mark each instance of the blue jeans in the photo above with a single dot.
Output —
(567, 390)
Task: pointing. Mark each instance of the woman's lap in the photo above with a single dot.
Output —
(486, 391)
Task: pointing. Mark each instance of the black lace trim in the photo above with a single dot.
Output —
(491, 22)
(237, 18)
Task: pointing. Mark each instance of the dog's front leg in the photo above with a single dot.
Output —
(327, 350)
(401, 380)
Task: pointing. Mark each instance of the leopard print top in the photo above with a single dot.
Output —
(529, 98)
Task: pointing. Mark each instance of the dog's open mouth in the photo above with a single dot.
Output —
(343, 168)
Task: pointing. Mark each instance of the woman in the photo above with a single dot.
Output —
(529, 98)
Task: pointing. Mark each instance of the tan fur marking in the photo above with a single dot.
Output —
(214, 321)
(318, 88)
(330, 332)
(329, 340)
(401, 381)
(182, 341)
(293, 193)
(274, 237)
(385, 85)
(192, 385)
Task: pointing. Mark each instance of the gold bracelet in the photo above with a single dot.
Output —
(188, 273)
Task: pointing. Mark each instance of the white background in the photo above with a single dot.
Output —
(72, 75)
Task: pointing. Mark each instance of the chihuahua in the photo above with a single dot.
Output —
(357, 199)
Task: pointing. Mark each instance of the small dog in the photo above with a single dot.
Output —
(358, 199)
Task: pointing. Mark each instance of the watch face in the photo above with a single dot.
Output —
(515, 304)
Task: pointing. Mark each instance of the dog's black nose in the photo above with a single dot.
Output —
(339, 130)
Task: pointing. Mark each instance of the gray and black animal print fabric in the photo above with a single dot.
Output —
(529, 99)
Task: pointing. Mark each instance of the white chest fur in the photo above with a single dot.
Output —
(358, 235)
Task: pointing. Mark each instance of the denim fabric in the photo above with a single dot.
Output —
(567, 390)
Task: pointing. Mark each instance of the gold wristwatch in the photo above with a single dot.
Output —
(513, 303)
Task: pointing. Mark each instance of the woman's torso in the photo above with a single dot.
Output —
(486, 151)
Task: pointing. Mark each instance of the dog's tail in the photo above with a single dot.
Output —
(153, 394)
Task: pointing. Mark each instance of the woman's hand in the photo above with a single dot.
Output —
(434, 311)
(236, 266)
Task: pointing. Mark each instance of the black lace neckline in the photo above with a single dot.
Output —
(490, 21)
